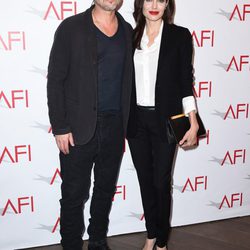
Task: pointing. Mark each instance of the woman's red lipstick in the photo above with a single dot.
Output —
(154, 13)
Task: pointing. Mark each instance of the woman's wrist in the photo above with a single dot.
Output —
(193, 121)
(194, 127)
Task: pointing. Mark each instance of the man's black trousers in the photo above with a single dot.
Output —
(104, 152)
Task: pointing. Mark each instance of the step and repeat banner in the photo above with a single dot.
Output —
(210, 182)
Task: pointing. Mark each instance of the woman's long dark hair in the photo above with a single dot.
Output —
(140, 20)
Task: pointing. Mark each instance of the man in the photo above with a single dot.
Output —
(89, 85)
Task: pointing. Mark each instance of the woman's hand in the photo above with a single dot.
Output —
(190, 138)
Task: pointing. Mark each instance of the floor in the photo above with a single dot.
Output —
(230, 234)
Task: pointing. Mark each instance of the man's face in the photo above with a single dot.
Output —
(108, 5)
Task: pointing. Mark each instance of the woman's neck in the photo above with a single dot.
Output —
(153, 27)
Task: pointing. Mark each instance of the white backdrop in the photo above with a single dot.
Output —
(210, 183)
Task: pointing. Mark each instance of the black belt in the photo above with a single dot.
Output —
(146, 108)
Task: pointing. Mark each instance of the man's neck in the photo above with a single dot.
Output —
(104, 16)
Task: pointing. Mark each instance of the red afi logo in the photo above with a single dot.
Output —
(232, 158)
(240, 13)
(241, 108)
(57, 173)
(207, 136)
(120, 190)
(15, 98)
(56, 225)
(14, 154)
(20, 202)
(203, 37)
(59, 12)
(238, 63)
(231, 200)
(198, 181)
(202, 87)
(13, 39)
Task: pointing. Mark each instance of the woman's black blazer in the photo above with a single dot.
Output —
(174, 77)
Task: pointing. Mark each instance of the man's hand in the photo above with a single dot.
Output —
(63, 142)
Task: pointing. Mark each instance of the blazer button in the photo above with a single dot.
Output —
(94, 108)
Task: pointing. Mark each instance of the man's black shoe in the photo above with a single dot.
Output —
(103, 247)
(98, 245)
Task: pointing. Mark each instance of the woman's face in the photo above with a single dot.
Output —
(153, 10)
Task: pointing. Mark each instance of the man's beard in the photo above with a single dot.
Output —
(107, 7)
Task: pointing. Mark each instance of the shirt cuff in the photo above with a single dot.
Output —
(188, 104)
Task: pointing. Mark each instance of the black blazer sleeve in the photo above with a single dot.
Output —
(57, 73)
(186, 69)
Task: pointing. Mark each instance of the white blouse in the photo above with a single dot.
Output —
(146, 63)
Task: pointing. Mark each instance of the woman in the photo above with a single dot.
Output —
(162, 88)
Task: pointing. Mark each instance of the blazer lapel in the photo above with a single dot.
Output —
(126, 80)
(164, 47)
(128, 37)
(90, 36)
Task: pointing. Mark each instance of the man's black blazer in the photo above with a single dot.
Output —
(174, 77)
(72, 77)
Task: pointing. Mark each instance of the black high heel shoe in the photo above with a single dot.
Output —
(154, 248)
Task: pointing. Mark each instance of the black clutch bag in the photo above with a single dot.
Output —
(178, 125)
